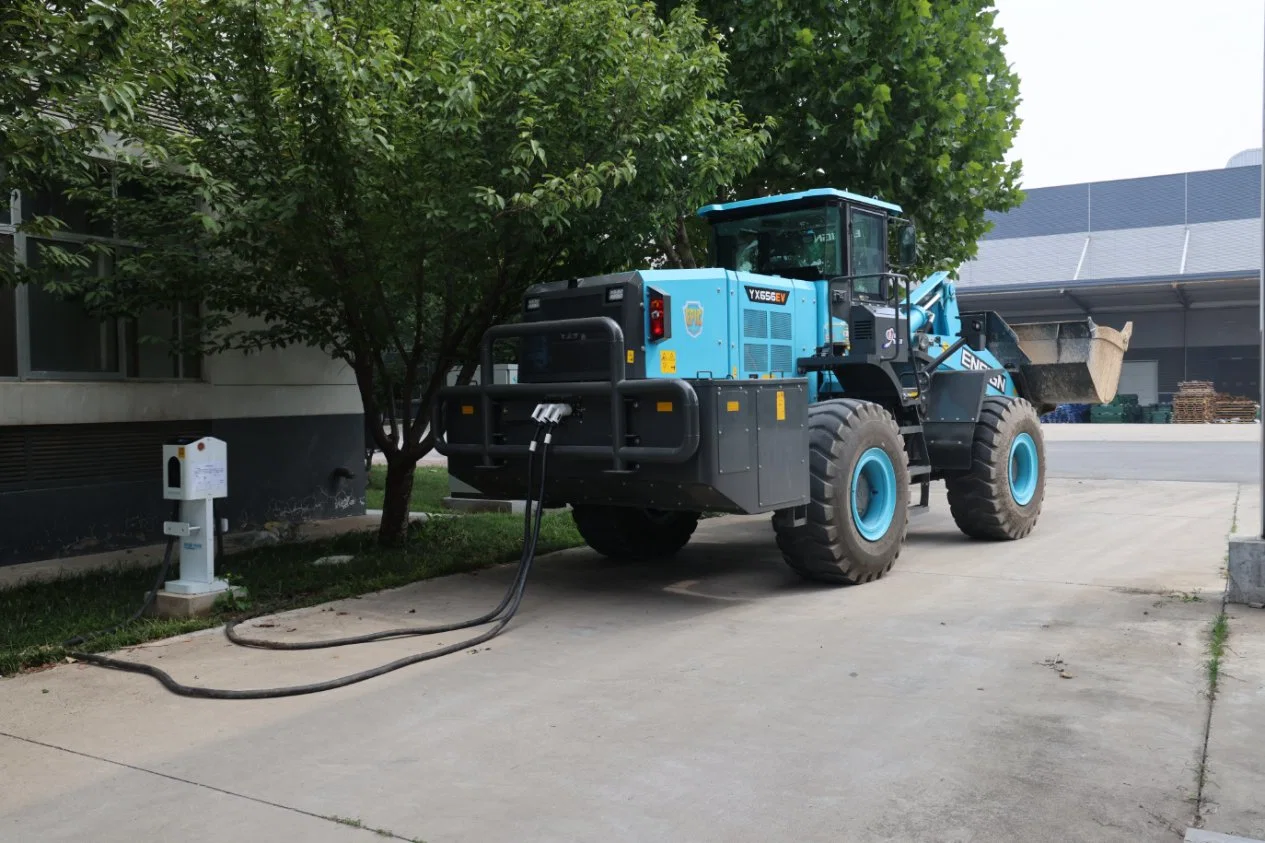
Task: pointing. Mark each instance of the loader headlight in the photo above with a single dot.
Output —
(532, 303)
(614, 294)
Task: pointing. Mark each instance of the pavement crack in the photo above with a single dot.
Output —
(380, 832)
(1217, 636)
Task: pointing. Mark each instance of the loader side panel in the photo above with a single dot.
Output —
(1000, 381)
(697, 346)
(952, 412)
(735, 325)
(774, 323)
(752, 454)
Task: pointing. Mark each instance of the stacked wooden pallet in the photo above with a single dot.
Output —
(1196, 388)
(1194, 402)
(1232, 408)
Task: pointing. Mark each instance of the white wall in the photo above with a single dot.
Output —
(297, 381)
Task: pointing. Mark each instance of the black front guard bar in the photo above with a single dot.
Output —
(617, 390)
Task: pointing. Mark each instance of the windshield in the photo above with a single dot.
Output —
(796, 244)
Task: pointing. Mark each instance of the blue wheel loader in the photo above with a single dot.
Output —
(801, 375)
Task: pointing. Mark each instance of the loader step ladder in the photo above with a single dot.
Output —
(919, 466)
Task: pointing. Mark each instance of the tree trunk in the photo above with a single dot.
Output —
(393, 528)
(683, 247)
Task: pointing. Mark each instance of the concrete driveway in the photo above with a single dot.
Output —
(1050, 689)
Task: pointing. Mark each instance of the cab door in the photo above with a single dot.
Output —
(867, 251)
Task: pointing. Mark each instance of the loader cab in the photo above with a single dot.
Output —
(814, 235)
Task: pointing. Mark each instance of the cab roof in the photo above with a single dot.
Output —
(787, 198)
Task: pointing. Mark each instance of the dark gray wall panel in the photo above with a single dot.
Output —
(280, 469)
(287, 467)
(1233, 194)
(1046, 210)
(1179, 199)
(1223, 326)
(1137, 203)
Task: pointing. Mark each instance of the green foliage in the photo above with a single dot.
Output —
(908, 100)
(381, 178)
(53, 52)
(1217, 636)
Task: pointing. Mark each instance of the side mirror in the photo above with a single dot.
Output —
(907, 251)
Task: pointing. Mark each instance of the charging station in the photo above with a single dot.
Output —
(195, 473)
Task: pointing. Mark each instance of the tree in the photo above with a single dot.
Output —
(908, 100)
(384, 178)
(50, 49)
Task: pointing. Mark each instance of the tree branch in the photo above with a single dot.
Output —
(684, 249)
(665, 243)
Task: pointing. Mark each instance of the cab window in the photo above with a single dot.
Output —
(867, 252)
(794, 244)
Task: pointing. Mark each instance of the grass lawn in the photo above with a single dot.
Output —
(35, 617)
(430, 487)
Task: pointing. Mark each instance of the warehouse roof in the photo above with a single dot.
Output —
(1118, 295)
(1162, 228)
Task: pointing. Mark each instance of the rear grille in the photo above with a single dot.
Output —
(755, 357)
(570, 356)
(780, 360)
(862, 329)
(780, 326)
(755, 324)
(52, 456)
(12, 457)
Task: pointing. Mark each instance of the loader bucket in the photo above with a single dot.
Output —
(1072, 362)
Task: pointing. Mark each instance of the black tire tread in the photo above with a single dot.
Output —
(814, 550)
(628, 534)
(979, 499)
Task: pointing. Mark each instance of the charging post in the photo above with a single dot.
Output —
(195, 473)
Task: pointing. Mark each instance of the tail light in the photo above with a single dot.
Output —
(659, 327)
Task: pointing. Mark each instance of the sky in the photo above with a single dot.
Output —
(1115, 89)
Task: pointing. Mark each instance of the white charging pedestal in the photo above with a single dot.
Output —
(195, 472)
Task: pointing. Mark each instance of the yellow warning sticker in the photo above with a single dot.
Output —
(467, 409)
(667, 362)
(734, 373)
(180, 453)
(632, 356)
(781, 405)
(731, 406)
(664, 406)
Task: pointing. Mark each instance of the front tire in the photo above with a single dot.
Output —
(626, 533)
(859, 502)
(1000, 498)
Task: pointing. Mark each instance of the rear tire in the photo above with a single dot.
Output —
(625, 533)
(854, 446)
(1000, 497)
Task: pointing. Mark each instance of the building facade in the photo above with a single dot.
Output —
(86, 403)
(1177, 255)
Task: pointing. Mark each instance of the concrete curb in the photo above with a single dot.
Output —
(1199, 835)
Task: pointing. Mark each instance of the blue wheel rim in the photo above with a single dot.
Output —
(1025, 469)
(875, 477)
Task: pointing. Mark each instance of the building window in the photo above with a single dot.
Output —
(53, 201)
(8, 321)
(153, 342)
(63, 339)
